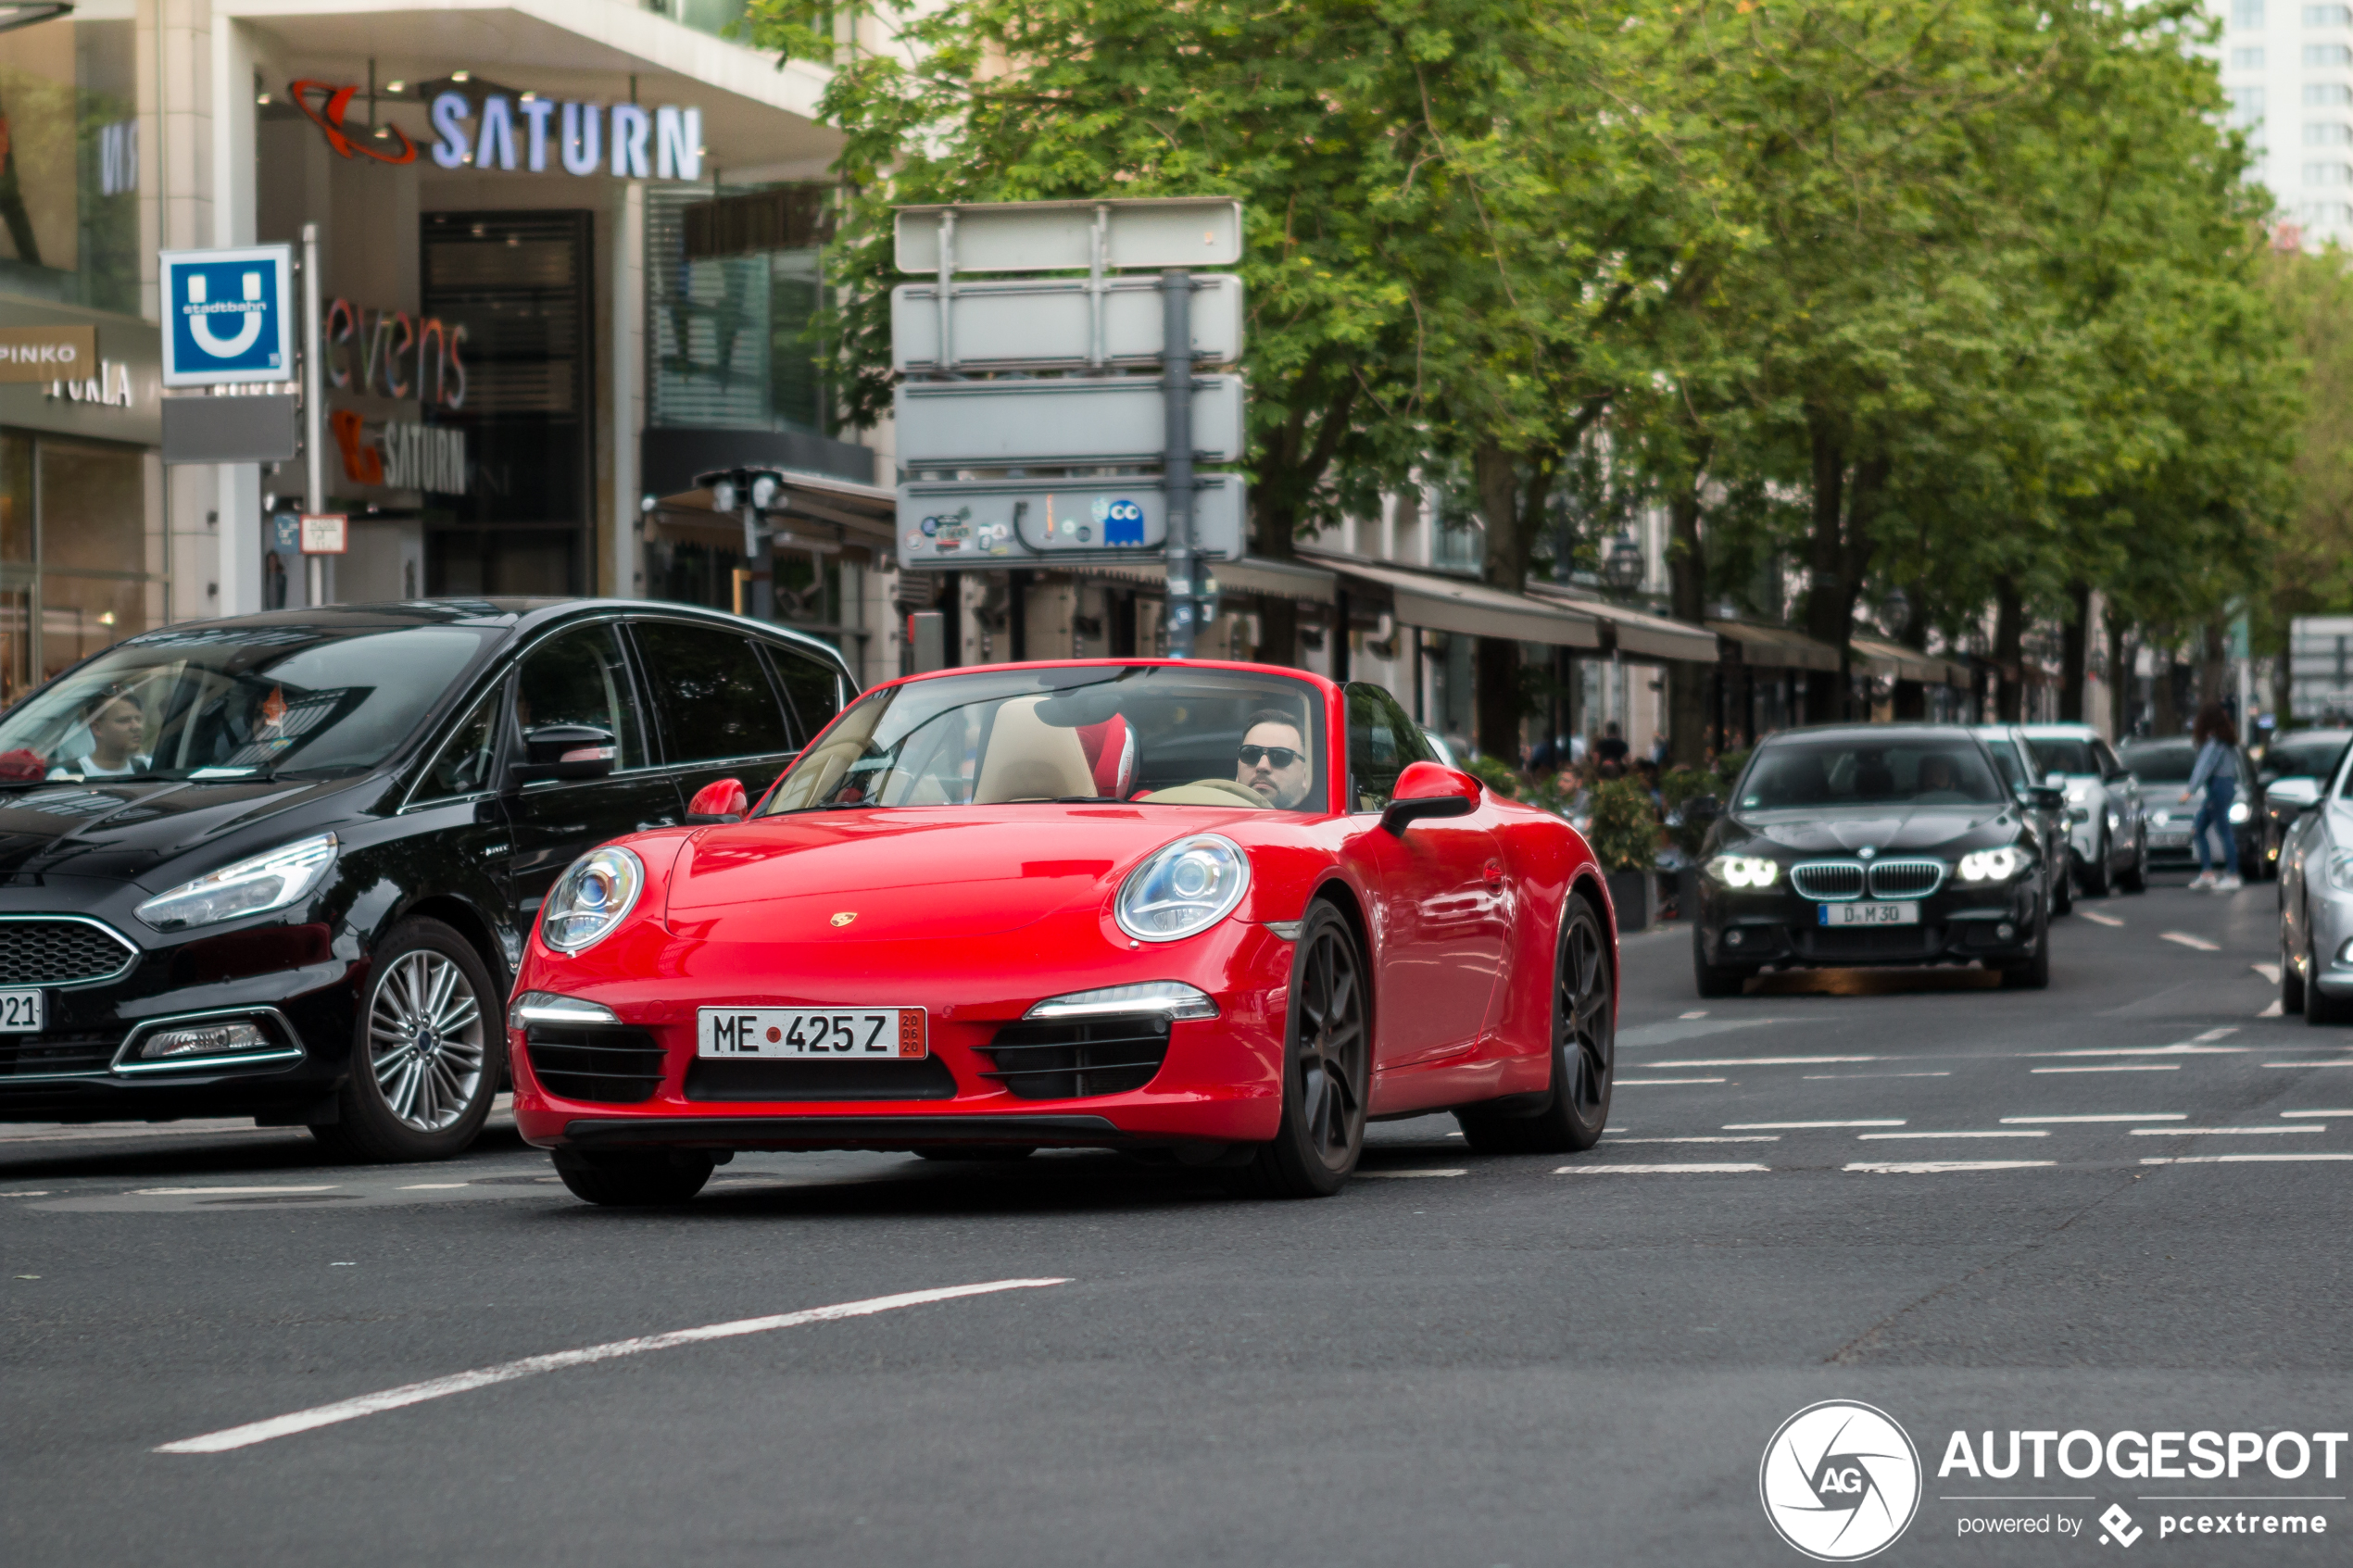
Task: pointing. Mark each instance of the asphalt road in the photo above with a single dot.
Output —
(1461, 1360)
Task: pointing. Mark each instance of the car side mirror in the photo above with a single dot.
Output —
(722, 800)
(1429, 789)
(2044, 798)
(564, 751)
(2297, 793)
(2055, 779)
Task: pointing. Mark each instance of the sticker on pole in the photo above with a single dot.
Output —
(228, 315)
(325, 534)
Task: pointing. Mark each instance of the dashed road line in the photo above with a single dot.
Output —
(1940, 1167)
(2098, 919)
(1803, 1127)
(2246, 1159)
(1652, 1169)
(1757, 1137)
(2345, 1062)
(1765, 1062)
(2186, 940)
(530, 1366)
(1400, 1176)
(2283, 1114)
(2135, 1067)
(2222, 1132)
(2013, 1133)
(2270, 971)
(1826, 1077)
(2154, 1116)
(216, 1192)
(1660, 1083)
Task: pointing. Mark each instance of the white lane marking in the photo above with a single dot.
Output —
(1399, 1175)
(2154, 1116)
(44, 1192)
(210, 1192)
(1759, 1137)
(1938, 1167)
(2270, 971)
(2245, 1158)
(1656, 1169)
(2186, 940)
(2186, 1048)
(1661, 1083)
(1826, 1077)
(2098, 919)
(530, 1366)
(434, 1187)
(2224, 1132)
(2167, 1067)
(2283, 1114)
(1701, 1013)
(1770, 1062)
(1770, 1126)
(2215, 1034)
(2016, 1133)
(2273, 1010)
(2347, 1062)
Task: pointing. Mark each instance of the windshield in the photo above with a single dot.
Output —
(1919, 771)
(2165, 761)
(1168, 735)
(225, 702)
(2308, 754)
(2005, 758)
(2067, 754)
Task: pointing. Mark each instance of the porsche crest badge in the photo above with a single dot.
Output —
(845, 917)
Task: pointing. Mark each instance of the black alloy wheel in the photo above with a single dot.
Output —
(2320, 1007)
(429, 1050)
(1585, 1052)
(2033, 974)
(2291, 979)
(1327, 1070)
(2135, 878)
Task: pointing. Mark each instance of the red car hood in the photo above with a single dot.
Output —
(927, 871)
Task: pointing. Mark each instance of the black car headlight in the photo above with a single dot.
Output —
(257, 884)
(1744, 870)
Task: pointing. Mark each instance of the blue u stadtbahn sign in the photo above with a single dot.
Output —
(228, 315)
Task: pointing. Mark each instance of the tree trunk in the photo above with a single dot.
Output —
(1837, 558)
(1494, 473)
(2165, 718)
(2119, 675)
(1687, 589)
(2074, 650)
(2214, 662)
(2009, 630)
(1911, 697)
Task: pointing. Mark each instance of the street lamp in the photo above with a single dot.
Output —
(1623, 568)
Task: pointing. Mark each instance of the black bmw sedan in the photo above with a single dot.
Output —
(282, 865)
(1879, 844)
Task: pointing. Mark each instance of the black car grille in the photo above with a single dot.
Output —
(1906, 879)
(754, 1079)
(615, 1066)
(1827, 879)
(60, 952)
(1080, 1057)
(39, 1056)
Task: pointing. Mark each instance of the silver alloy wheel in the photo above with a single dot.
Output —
(425, 1040)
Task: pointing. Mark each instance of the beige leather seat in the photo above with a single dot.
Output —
(1030, 760)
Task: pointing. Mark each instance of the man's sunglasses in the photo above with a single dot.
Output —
(1281, 756)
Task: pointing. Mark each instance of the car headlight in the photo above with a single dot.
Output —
(1182, 890)
(1744, 870)
(1990, 865)
(590, 898)
(2239, 811)
(2079, 791)
(1170, 998)
(2341, 871)
(269, 881)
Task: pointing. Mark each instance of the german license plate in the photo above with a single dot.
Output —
(831, 1034)
(2170, 838)
(22, 1012)
(1870, 914)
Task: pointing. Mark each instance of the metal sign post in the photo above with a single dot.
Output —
(314, 413)
(1176, 466)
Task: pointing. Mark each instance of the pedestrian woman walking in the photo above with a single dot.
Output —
(2214, 775)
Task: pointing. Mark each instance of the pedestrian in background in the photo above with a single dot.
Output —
(2215, 738)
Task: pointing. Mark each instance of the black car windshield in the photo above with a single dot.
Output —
(1909, 770)
(2005, 758)
(2307, 754)
(2067, 754)
(1172, 735)
(234, 701)
(2162, 762)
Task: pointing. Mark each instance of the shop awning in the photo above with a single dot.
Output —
(1458, 605)
(1267, 578)
(1896, 662)
(811, 510)
(1637, 633)
(1776, 648)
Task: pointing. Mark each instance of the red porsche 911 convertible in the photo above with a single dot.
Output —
(1219, 914)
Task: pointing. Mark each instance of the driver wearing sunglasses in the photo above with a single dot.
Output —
(1272, 759)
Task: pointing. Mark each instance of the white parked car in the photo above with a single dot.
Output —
(2316, 908)
(2110, 837)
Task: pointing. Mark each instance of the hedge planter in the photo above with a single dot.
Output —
(1635, 894)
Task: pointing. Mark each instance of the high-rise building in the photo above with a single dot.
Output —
(2287, 68)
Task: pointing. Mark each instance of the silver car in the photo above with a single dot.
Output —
(2014, 754)
(2316, 908)
(2111, 839)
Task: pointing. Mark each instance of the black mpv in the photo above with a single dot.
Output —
(282, 865)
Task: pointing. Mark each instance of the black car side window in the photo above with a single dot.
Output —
(812, 688)
(579, 677)
(1376, 753)
(713, 692)
(462, 767)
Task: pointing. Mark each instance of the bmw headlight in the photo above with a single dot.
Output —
(1744, 870)
(2239, 811)
(260, 883)
(1991, 865)
(592, 897)
(1182, 888)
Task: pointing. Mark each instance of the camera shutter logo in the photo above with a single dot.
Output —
(1840, 1481)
